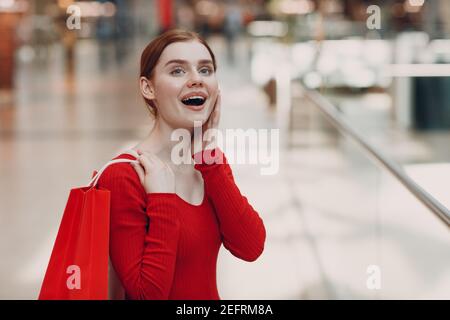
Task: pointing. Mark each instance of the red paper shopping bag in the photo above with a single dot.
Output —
(79, 265)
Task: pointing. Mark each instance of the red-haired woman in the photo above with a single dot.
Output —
(169, 220)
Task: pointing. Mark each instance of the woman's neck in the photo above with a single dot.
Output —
(159, 141)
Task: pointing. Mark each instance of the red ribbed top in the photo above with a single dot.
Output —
(162, 247)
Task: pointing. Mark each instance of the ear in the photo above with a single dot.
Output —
(147, 89)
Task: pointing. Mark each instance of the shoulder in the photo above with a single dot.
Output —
(127, 193)
(119, 174)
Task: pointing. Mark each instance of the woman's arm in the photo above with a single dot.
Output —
(243, 231)
(144, 259)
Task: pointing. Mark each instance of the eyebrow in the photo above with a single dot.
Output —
(179, 61)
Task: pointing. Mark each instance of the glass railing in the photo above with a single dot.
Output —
(375, 229)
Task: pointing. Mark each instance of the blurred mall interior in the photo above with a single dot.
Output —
(359, 89)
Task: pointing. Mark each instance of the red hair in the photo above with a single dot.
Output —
(154, 49)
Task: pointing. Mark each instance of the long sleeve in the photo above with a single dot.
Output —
(143, 236)
(242, 229)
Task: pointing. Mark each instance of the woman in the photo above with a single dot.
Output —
(168, 221)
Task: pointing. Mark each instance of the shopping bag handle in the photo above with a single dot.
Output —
(95, 179)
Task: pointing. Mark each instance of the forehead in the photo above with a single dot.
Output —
(191, 51)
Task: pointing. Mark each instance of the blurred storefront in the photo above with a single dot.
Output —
(10, 15)
(69, 98)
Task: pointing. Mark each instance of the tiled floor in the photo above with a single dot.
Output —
(322, 210)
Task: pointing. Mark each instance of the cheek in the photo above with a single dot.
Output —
(212, 84)
(213, 89)
(167, 89)
(166, 94)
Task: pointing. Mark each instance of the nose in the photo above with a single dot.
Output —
(195, 80)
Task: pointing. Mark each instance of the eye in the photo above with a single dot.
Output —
(176, 71)
(206, 70)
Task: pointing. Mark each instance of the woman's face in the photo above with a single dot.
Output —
(184, 84)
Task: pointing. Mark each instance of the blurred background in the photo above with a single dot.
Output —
(360, 91)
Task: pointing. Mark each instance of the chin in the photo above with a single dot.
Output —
(189, 117)
(189, 120)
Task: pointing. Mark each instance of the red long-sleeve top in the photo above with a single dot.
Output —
(163, 247)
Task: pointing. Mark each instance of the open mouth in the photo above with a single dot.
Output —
(194, 101)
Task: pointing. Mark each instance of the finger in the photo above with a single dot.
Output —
(214, 118)
(145, 154)
(148, 154)
(207, 123)
(140, 171)
(213, 110)
(146, 163)
(216, 102)
(210, 120)
(218, 109)
(219, 98)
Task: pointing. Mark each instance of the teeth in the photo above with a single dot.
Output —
(194, 100)
(194, 97)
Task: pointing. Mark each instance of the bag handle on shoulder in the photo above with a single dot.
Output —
(95, 179)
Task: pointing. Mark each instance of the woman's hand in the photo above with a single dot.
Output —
(154, 174)
(212, 122)
(208, 140)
